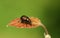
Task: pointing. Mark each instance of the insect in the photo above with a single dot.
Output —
(25, 19)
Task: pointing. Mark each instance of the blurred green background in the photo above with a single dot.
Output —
(46, 10)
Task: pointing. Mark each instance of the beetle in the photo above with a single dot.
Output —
(25, 19)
